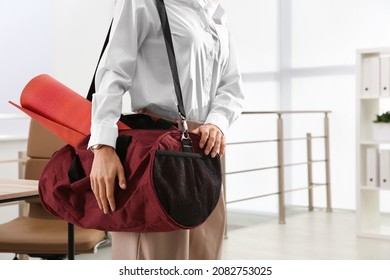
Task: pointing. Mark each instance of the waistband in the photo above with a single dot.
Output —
(192, 125)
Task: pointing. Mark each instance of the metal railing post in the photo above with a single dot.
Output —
(327, 164)
(223, 171)
(21, 164)
(282, 208)
(309, 170)
(23, 206)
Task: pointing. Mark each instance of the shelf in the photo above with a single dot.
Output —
(372, 96)
(376, 51)
(365, 188)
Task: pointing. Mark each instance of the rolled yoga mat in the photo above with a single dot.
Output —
(58, 108)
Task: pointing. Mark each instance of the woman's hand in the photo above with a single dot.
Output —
(211, 139)
(106, 168)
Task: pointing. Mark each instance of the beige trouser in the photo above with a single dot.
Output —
(203, 243)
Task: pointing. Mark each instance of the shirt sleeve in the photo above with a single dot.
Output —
(116, 70)
(227, 106)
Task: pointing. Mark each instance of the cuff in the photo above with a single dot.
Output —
(220, 121)
(104, 134)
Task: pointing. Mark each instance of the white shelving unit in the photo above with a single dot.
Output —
(373, 97)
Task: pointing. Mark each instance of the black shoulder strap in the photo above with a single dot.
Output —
(92, 89)
(171, 56)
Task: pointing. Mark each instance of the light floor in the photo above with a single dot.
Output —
(306, 235)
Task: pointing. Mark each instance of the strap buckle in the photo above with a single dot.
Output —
(185, 138)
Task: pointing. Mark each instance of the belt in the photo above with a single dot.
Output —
(192, 125)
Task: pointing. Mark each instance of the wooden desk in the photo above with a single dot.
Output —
(16, 190)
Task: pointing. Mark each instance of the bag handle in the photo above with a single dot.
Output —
(172, 63)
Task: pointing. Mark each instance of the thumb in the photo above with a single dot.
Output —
(121, 177)
(196, 131)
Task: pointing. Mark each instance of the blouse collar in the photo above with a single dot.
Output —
(218, 15)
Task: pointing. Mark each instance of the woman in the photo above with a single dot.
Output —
(136, 61)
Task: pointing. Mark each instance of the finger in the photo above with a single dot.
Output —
(110, 193)
(196, 131)
(121, 177)
(210, 141)
(222, 149)
(217, 145)
(204, 135)
(95, 190)
(102, 196)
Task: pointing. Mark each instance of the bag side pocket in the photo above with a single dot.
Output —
(188, 185)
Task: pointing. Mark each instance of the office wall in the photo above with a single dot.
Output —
(60, 38)
(26, 45)
(25, 51)
(79, 30)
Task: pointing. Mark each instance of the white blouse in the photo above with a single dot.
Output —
(136, 61)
